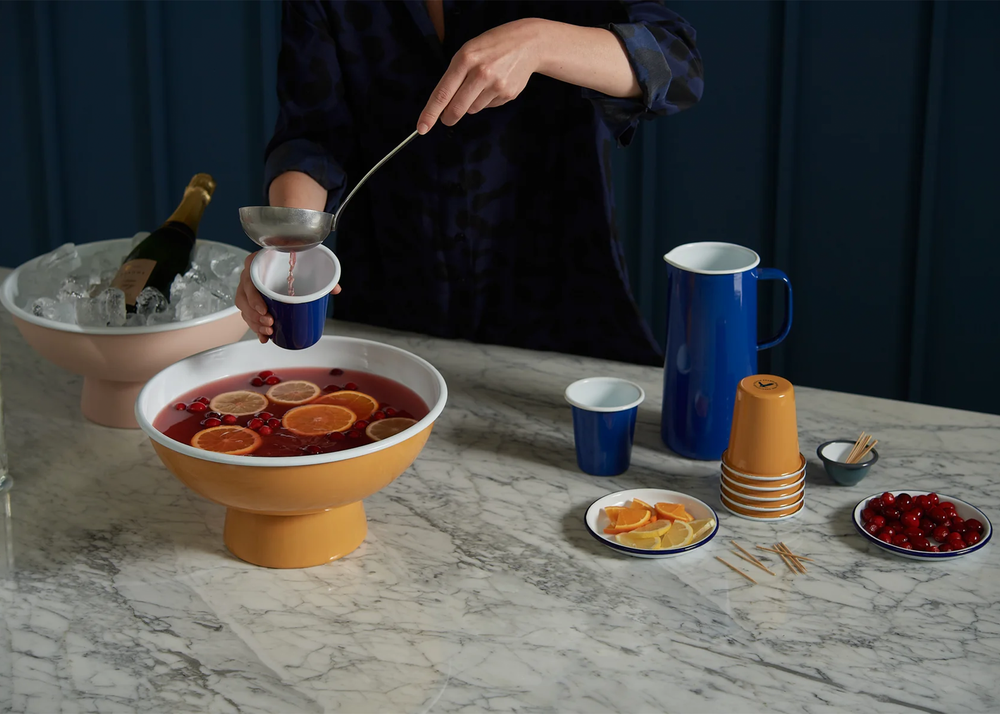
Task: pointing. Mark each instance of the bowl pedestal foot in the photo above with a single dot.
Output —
(110, 403)
(295, 541)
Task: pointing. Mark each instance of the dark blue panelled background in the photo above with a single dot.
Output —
(854, 145)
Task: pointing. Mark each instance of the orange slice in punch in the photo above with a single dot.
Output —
(239, 403)
(384, 428)
(358, 402)
(297, 391)
(318, 419)
(232, 440)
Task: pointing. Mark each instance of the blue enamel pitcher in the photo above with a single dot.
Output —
(711, 342)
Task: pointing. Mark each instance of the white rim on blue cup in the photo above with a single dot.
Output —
(604, 394)
(266, 258)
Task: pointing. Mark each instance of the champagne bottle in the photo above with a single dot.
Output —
(166, 252)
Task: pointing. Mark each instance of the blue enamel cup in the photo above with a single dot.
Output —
(298, 319)
(711, 342)
(604, 412)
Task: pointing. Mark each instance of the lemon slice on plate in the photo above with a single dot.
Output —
(633, 540)
(679, 535)
(701, 528)
(655, 529)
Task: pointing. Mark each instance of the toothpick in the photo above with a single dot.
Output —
(797, 557)
(734, 568)
(752, 562)
(798, 565)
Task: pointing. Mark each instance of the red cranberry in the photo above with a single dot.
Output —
(910, 520)
(940, 534)
(947, 505)
(212, 422)
(933, 548)
(180, 406)
(926, 524)
(265, 415)
(945, 548)
(886, 534)
(872, 528)
(920, 543)
(274, 423)
(229, 419)
(955, 539)
(895, 525)
(265, 431)
(351, 386)
(878, 520)
(958, 524)
(313, 449)
(921, 501)
(353, 434)
(906, 546)
(938, 514)
(265, 374)
(255, 423)
(867, 515)
(971, 537)
(272, 380)
(197, 408)
(932, 499)
(875, 504)
(331, 388)
(916, 510)
(361, 424)
(892, 513)
(974, 525)
(213, 415)
(381, 415)
(900, 538)
(914, 532)
(257, 382)
(903, 501)
(336, 372)
(888, 499)
(203, 400)
(337, 436)
(390, 412)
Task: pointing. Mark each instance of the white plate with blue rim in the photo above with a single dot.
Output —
(964, 510)
(597, 520)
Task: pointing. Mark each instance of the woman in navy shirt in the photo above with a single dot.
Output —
(497, 225)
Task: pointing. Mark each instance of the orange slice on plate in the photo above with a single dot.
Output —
(642, 504)
(629, 519)
(673, 512)
(358, 402)
(318, 419)
(613, 511)
(294, 392)
(384, 428)
(232, 440)
(239, 403)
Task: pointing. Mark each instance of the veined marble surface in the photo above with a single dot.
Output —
(478, 588)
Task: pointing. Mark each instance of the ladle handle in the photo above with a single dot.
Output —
(376, 167)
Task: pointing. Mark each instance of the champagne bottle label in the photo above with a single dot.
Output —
(132, 277)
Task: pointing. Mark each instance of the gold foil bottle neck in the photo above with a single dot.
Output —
(196, 197)
(204, 182)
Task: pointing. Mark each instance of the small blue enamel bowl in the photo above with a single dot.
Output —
(833, 454)
(604, 413)
(298, 319)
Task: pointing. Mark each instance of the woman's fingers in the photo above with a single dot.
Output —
(441, 96)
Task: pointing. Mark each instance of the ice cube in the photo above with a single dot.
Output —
(150, 300)
(224, 266)
(39, 305)
(198, 304)
(161, 318)
(134, 319)
(54, 310)
(105, 310)
(74, 286)
(45, 277)
(63, 259)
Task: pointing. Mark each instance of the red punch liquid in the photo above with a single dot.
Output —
(394, 399)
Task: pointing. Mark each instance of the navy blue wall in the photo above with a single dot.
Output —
(854, 145)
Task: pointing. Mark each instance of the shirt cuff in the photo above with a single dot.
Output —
(621, 114)
(310, 158)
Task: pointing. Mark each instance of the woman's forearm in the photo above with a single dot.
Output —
(590, 57)
(294, 189)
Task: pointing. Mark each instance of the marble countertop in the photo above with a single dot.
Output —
(478, 588)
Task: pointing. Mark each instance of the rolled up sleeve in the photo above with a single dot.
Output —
(661, 48)
(314, 128)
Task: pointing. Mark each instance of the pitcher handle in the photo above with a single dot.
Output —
(786, 325)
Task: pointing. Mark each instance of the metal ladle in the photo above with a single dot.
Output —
(291, 230)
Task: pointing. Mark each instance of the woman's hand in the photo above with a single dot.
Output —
(252, 306)
(488, 71)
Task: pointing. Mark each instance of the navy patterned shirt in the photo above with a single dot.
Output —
(500, 229)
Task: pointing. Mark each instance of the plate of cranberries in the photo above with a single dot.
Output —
(922, 525)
